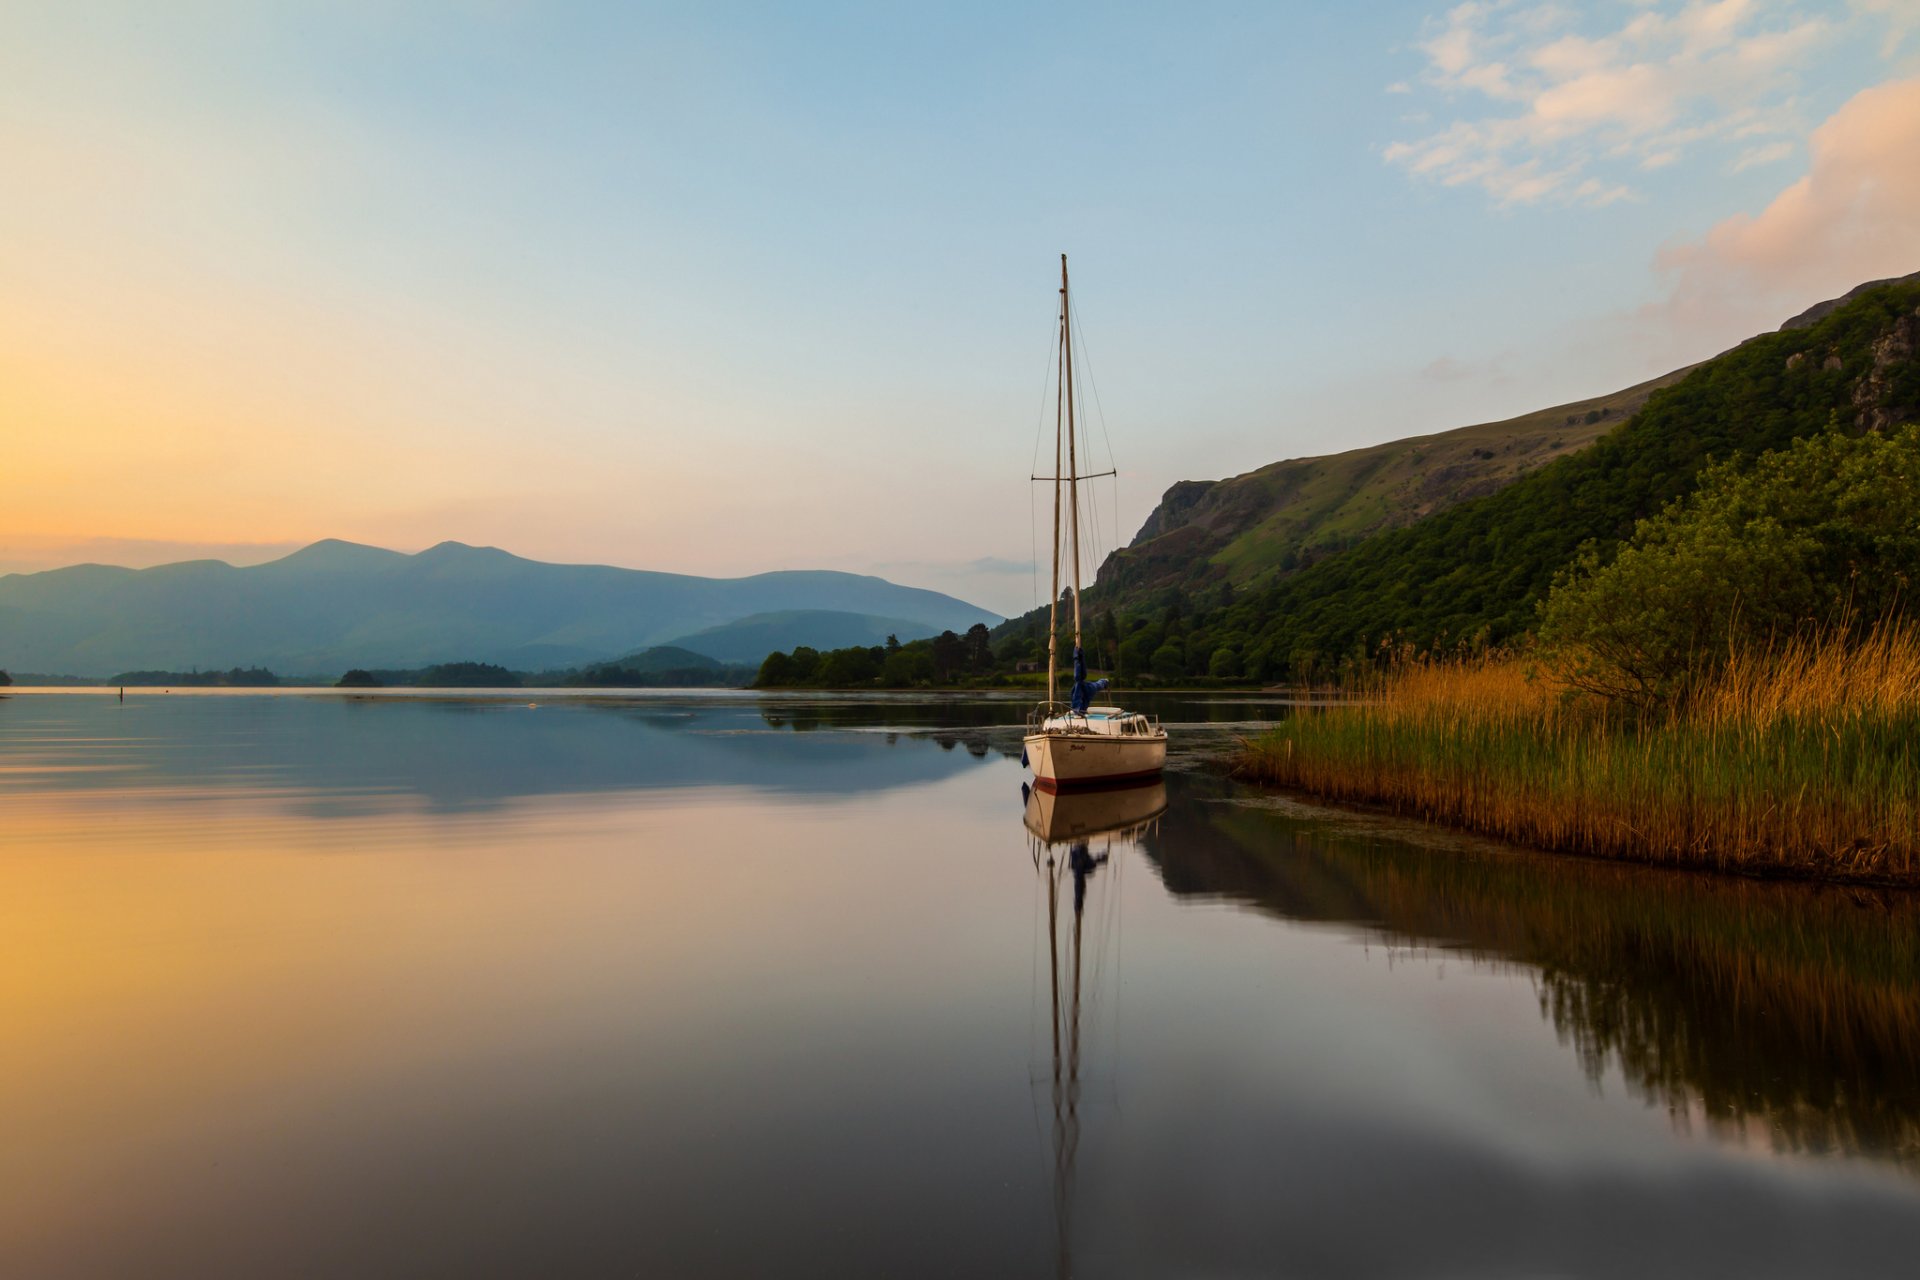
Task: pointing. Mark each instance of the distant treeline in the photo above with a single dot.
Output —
(442, 675)
(235, 678)
(1163, 651)
(943, 660)
(657, 668)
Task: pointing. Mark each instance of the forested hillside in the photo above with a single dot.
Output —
(1478, 571)
(1251, 529)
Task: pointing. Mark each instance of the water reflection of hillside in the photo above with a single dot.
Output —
(1774, 1014)
(341, 756)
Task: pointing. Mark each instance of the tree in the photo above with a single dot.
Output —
(1258, 664)
(1169, 663)
(846, 668)
(1224, 665)
(949, 655)
(358, 679)
(893, 642)
(907, 667)
(775, 672)
(979, 647)
(1819, 534)
(5, 679)
(804, 658)
(1136, 652)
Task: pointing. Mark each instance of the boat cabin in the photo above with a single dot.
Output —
(1110, 722)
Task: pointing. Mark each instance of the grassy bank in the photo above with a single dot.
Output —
(1799, 761)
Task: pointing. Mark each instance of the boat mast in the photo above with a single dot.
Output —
(1073, 464)
(1053, 598)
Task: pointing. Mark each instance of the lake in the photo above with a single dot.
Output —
(726, 985)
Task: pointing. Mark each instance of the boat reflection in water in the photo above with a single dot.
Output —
(1109, 813)
(1074, 836)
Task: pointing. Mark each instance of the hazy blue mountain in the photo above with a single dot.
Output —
(336, 605)
(668, 657)
(752, 638)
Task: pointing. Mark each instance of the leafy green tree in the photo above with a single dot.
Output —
(1224, 664)
(846, 668)
(1137, 650)
(1259, 663)
(979, 644)
(1169, 663)
(358, 679)
(5, 679)
(1821, 533)
(776, 672)
(805, 659)
(908, 667)
(949, 655)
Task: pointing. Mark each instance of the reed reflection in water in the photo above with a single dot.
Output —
(1781, 1015)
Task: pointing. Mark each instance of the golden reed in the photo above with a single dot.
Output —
(1795, 761)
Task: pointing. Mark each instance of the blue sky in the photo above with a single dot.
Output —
(724, 288)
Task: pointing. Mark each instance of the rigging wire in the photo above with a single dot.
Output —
(1093, 527)
(1039, 435)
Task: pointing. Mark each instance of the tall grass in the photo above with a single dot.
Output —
(1799, 760)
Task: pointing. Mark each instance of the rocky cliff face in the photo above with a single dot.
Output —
(1876, 396)
(1175, 507)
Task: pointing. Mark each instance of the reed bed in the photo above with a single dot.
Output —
(1795, 761)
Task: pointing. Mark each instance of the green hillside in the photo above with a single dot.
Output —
(1477, 570)
(1251, 529)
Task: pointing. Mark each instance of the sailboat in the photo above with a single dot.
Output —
(1078, 744)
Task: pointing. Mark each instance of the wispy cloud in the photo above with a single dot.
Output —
(1547, 108)
(1902, 19)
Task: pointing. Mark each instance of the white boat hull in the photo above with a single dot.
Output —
(1120, 810)
(1084, 759)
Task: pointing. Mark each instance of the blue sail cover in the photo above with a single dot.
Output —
(1083, 690)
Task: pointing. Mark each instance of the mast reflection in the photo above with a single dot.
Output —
(1074, 835)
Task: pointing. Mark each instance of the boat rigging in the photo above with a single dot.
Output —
(1078, 743)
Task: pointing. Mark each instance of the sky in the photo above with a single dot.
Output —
(723, 288)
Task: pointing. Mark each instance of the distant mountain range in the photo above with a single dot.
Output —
(336, 605)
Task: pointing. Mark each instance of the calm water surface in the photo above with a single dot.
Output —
(720, 985)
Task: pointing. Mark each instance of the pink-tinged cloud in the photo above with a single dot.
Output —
(1854, 217)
